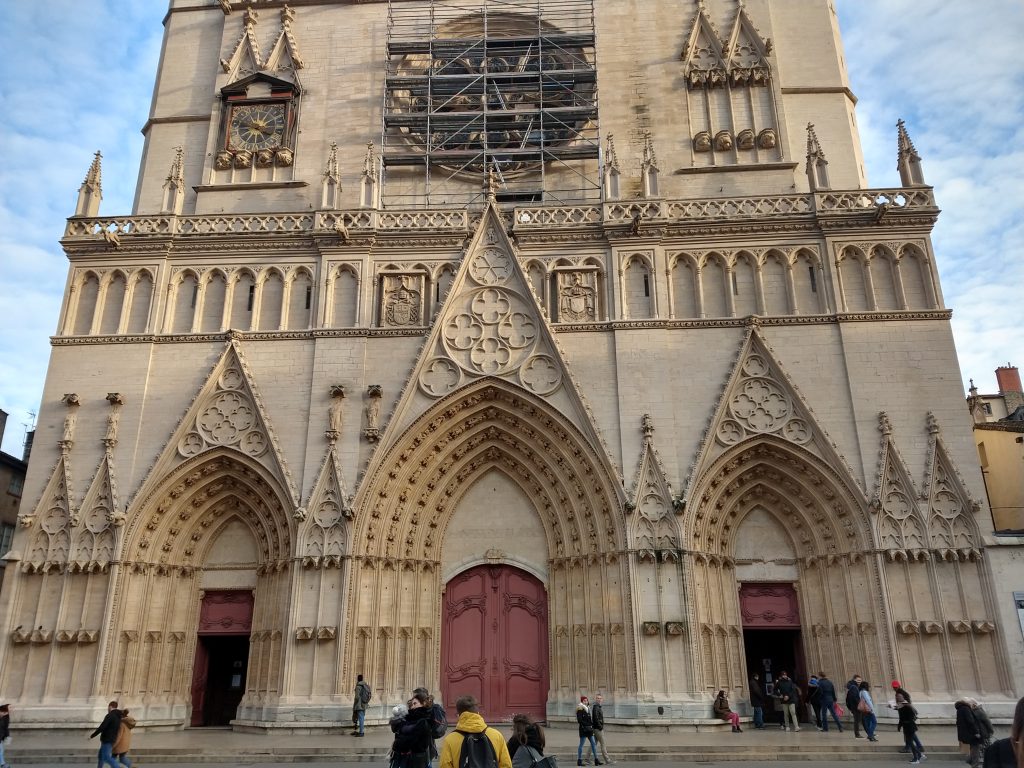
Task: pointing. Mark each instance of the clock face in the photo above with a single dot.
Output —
(256, 126)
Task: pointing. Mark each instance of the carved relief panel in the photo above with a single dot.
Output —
(402, 299)
(577, 296)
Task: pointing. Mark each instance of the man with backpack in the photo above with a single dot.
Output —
(852, 702)
(473, 744)
(360, 699)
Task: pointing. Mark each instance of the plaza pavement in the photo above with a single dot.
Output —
(204, 746)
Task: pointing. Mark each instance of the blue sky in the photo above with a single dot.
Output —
(78, 76)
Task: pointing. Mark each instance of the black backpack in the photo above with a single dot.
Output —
(438, 722)
(477, 751)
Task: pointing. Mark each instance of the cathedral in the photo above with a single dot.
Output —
(521, 348)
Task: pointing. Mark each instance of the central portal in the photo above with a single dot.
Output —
(494, 642)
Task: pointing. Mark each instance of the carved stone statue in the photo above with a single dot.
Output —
(702, 142)
(723, 141)
(335, 413)
(374, 393)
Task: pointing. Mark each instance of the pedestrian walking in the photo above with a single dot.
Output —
(360, 698)
(827, 702)
(108, 731)
(984, 724)
(723, 711)
(1009, 753)
(757, 700)
(853, 704)
(897, 688)
(472, 739)
(968, 732)
(867, 709)
(124, 739)
(814, 700)
(5, 732)
(789, 696)
(597, 715)
(586, 731)
(908, 725)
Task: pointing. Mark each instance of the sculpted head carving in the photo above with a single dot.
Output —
(745, 139)
(723, 141)
(702, 142)
(243, 158)
(767, 139)
(223, 160)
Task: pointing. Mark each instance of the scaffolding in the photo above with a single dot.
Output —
(480, 86)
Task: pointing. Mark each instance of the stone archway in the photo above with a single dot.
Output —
(172, 535)
(831, 561)
(404, 515)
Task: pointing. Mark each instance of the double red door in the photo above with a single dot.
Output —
(494, 641)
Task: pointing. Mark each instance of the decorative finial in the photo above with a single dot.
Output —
(287, 16)
(933, 424)
(884, 425)
(91, 192)
(817, 165)
(251, 16)
(647, 424)
(491, 184)
(611, 159)
(908, 161)
(174, 186)
(331, 180)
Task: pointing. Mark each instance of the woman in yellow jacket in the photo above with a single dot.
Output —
(471, 723)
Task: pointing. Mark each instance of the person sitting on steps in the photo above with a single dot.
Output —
(723, 711)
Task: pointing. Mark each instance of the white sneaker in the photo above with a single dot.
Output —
(915, 762)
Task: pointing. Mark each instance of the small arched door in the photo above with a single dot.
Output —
(494, 642)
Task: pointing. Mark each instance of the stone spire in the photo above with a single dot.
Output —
(649, 168)
(908, 162)
(611, 171)
(91, 191)
(331, 181)
(174, 186)
(817, 165)
(368, 184)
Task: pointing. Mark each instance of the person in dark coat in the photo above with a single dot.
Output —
(586, 730)
(757, 700)
(5, 730)
(789, 697)
(814, 700)
(908, 725)
(526, 743)
(827, 702)
(108, 731)
(724, 712)
(1009, 753)
(597, 715)
(968, 732)
(411, 747)
(852, 700)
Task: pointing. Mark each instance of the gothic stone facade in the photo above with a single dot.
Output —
(283, 408)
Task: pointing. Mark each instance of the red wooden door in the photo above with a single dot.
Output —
(494, 642)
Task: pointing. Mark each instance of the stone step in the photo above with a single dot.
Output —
(679, 753)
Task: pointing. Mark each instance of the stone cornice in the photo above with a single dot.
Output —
(615, 325)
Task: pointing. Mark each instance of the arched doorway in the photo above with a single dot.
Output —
(494, 641)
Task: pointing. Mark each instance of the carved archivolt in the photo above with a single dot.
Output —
(460, 439)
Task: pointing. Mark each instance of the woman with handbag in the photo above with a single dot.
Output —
(867, 708)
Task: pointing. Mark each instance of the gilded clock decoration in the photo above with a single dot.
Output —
(256, 127)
